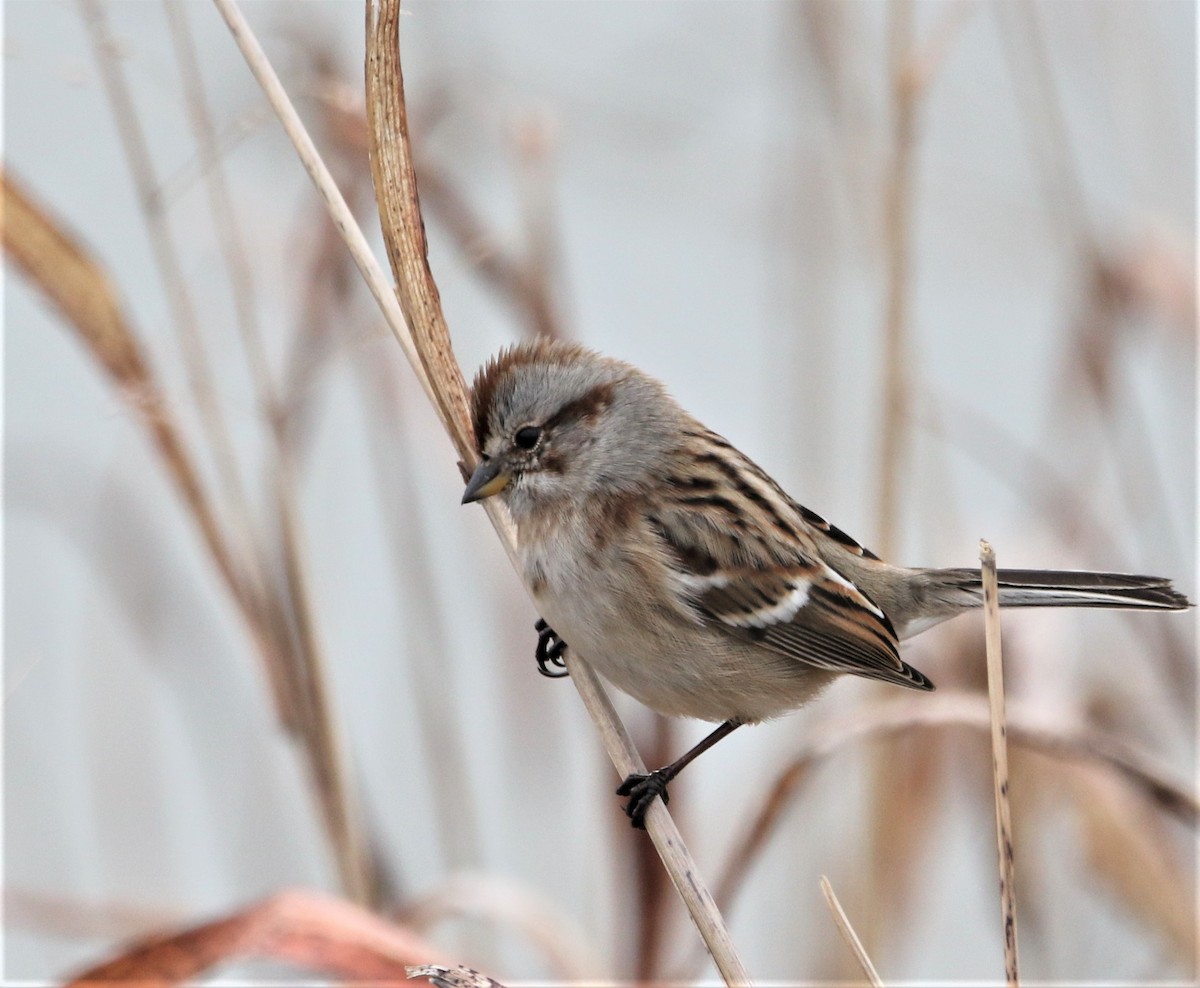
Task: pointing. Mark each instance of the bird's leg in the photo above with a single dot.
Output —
(549, 652)
(641, 789)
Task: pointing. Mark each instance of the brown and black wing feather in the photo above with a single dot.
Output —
(835, 627)
(751, 568)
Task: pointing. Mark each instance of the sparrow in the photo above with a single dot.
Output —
(684, 574)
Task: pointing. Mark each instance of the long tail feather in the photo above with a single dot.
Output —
(1064, 588)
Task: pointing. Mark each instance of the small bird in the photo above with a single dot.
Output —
(684, 574)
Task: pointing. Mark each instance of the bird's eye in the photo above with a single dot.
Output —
(527, 437)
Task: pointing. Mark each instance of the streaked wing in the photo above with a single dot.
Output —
(750, 566)
(814, 616)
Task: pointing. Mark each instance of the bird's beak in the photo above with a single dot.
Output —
(489, 478)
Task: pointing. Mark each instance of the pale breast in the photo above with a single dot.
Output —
(608, 602)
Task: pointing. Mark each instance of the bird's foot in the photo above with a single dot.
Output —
(549, 652)
(641, 790)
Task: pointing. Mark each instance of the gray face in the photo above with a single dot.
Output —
(563, 424)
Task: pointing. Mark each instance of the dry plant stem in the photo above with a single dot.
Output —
(1049, 138)
(403, 227)
(898, 191)
(887, 846)
(1042, 106)
(533, 142)
(237, 260)
(942, 710)
(339, 212)
(848, 934)
(660, 826)
(166, 257)
(60, 268)
(452, 977)
(320, 731)
(650, 885)
(455, 813)
(433, 360)
(512, 279)
(1004, 840)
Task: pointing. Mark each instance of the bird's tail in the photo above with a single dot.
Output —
(1064, 588)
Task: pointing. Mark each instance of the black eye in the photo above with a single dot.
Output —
(528, 437)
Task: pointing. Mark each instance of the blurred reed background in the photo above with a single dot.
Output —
(931, 264)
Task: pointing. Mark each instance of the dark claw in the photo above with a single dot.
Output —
(641, 790)
(549, 652)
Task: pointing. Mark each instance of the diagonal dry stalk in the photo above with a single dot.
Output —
(1004, 839)
(420, 328)
(300, 676)
(1086, 748)
(847, 931)
(59, 267)
(201, 379)
(63, 270)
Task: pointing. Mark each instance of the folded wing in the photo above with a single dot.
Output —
(778, 593)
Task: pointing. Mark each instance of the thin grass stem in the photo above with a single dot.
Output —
(999, 725)
(201, 379)
(842, 921)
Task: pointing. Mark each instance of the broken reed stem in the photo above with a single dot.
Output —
(1004, 841)
(847, 931)
(433, 362)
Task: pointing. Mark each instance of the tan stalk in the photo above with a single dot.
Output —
(166, 257)
(847, 931)
(533, 140)
(456, 814)
(1004, 840)
(320, 731)
(59, 267)
(1086, 747)
(433, 360)
(897, 210)
(903, 782)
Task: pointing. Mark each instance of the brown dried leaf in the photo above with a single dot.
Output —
(404, 229)
(55, 262)
(298, 927)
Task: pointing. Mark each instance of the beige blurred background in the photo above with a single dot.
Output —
(732, 196)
